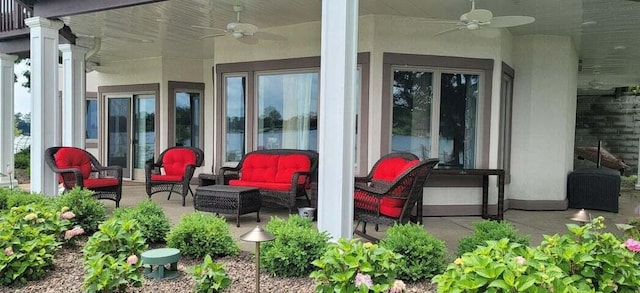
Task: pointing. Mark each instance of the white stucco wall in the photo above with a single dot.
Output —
(544, 108)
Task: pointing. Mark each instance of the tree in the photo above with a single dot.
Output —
(23, 123)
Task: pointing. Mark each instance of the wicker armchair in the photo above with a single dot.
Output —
(178, 164)
(77, 167)
(380, 201)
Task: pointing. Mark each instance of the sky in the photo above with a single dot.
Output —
(22, 96)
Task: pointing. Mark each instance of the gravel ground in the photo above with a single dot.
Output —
(67, 275)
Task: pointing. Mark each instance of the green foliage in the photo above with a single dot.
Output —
(631, 229)
(423, 255)
(29, 236)
(198, 234)
(89, 211)
(16, 197)
(584, 260)
(295, 246)
(154, 225)
(348, 260)
(628, 182)
(111, 257)
(22, 159)
(489, 230)
(209, 276)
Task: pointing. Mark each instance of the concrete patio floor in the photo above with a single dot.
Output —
(450, 229)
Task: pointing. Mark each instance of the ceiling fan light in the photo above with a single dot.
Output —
(237, 35)
(472, 26)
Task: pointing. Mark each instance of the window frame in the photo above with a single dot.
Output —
(224, 125)
(92, 142)
(190, 87)
(250, 69)
(506, 116)
(445, 64)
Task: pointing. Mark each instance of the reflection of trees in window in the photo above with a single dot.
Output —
(183, 125)
(457, 113)
(412, 92)
(149, 119)
(270, 120)
(235, 124)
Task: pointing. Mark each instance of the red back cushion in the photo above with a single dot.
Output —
(289, 164)
(260, 168)
(389, 169)
(175, 161)
(73, 158)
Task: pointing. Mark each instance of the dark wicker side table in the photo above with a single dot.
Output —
(225, 199)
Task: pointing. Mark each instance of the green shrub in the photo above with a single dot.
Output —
(199, 234)
(111, 257)
(584, 260)
(489, 230)
(29, 236)
(22, 159)
(632, 228)
(295, 246)
(16, 197)
(154, 225)
(209, 276)
(628, 182)
(423, 255)
(351, 266)
(89, 211)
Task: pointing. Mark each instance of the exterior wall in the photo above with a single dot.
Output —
(544, 108)
(615, 121)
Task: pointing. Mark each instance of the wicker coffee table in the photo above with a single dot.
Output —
(225, 199)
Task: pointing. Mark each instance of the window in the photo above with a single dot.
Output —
(274, 104)
(288, 110)
(234, 101)
(437, 108)
(186, 113)
(506, 100)
(91, 119)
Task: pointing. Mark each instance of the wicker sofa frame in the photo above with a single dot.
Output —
(72, 177)
(182, 187)
(279, 198)
(408, 186)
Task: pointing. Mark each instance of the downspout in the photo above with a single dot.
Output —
(91, 66)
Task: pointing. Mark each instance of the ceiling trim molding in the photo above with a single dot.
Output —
(59, 8)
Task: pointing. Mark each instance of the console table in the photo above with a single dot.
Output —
(485, 173)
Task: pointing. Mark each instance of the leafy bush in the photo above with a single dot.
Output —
(489, 230)
(209, 276)
(351, 266)
(423, 255)
(296, 245)
(628, 182)
(584, 260)
(89, 211)
(199, 234)
(632, 228)
(154, 224)
(16, 197)
(111, 257)
(22, 159)
(29, 235)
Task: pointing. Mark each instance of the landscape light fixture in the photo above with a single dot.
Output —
(257, 235)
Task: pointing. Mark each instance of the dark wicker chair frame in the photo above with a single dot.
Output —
(408, 185)
(280, 198)
(182, 187)
(72, 176)
(404, 155)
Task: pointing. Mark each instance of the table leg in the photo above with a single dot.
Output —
(500, 197)
(485, 196)
(419, 210)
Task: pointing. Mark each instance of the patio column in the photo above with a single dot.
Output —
(45, 111)
(337, 117)
(73, 95)
(6, 117)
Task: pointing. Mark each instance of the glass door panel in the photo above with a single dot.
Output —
(118, 133)
(144, 133)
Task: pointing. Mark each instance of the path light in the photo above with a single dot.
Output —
(582, 216)
(257, 235)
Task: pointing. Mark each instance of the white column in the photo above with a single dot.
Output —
(337, 117)
(45, 113)
(73, 95)
(6, 118)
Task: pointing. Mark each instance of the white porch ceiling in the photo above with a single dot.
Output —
(607, 32)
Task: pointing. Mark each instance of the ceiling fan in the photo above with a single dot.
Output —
(242, 31)
(481, 18)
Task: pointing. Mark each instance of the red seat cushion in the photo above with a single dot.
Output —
(100, 182)
(261, 185)
(66, 158)
(168, 178)
(390, 207)
(289, 164)
(175, 161)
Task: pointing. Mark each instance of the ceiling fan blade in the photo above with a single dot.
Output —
(443, 21)
(450, 30)
(269, 36)
(248, 39)
(211, 36)
(510, 21)
(208, 28)
(479, 15)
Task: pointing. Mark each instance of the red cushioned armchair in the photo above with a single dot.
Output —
(389, 193)
(77, 167)
(173, 171)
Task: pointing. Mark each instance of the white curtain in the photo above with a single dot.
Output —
(296, 92)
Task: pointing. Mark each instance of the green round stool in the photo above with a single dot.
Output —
(158, 258)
